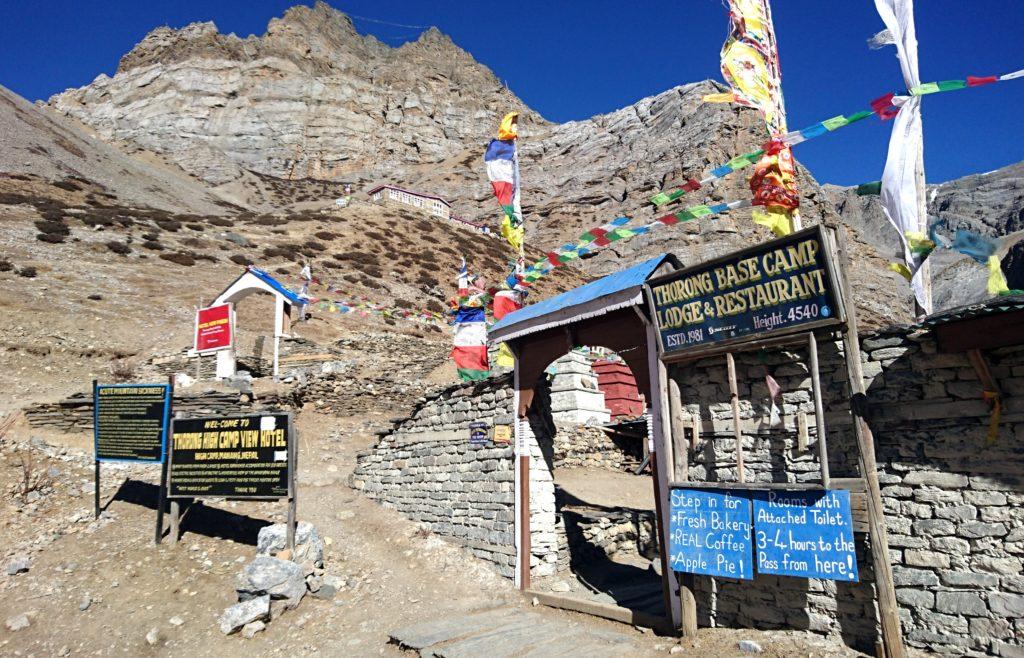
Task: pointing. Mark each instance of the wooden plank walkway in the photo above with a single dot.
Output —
(508, 633)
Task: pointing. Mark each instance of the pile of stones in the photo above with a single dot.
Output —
(277, 579)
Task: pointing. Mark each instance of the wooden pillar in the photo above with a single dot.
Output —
(888, 608)
(659, 445)
(522, 479)
(681, 473)
(819, 413)
(736, 427)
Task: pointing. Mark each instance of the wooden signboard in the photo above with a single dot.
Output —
(776, 288)
(232, 457)
(249, 457)
(130, 421)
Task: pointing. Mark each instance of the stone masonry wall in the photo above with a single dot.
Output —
(953, 504)
(427, 470)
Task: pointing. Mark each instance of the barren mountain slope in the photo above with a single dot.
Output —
(35, 141)
(310, 98)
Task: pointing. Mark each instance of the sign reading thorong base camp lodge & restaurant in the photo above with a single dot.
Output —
(779, 287)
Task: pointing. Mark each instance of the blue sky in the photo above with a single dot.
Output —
(571, 60)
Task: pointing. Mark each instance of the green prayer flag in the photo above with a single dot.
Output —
(835, 122)
(926, 88)
(739, 162)
(660, 199)
(700, 211)
(857, 116)
(587, 238)
(950, 85)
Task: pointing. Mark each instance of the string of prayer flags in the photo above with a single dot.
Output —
(596, 239)
(502, 161)
(812, 131)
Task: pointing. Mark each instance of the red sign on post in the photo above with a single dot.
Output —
(214, 330)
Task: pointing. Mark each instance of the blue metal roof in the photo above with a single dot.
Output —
(632, 277)
(277, 285)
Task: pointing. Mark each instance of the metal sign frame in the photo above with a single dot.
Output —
(825, 236)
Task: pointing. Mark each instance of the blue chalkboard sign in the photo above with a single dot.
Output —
(778, 287)
(805, 533)
(709, 533)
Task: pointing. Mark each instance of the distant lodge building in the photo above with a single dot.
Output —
(435, 205)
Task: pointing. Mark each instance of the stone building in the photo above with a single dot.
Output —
(944, 404)
(391, 194)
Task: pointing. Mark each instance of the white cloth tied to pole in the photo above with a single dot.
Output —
(906, 144)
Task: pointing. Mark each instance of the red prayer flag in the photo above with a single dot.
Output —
(883, 107)
(669, 220)
(692, 185)
(985, 80)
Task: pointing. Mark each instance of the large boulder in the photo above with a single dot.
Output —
(265, 575)
(308, 545)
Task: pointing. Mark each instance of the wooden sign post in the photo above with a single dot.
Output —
(774, 294)
(237, 457)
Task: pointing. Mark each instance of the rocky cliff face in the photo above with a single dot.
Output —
(310, 98)
(991, 204)
(313, 99)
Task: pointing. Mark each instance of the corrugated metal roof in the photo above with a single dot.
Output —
(277, 285)
(993, 306)
(607, 294)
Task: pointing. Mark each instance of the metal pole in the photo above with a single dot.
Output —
(162, 494)
(96, 446)
(737, 430)
(819, 413)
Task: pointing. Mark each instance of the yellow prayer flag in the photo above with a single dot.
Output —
(902, 270)
(505, 358)
(514, 235)
(508, 128)
(778, 222)
(718, 98)
(996, 279)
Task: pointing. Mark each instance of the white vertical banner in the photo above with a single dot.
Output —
(905, 161)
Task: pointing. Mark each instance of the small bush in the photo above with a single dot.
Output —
(153, 245)
(53, 215)
(315, 246)
(150, 236)
(48, 226)
(282, 270)
(5, 265)
(51, 238)
(331, 265)
(207, 257)
(351, 278)
(179, 258)
(96, 220)
(221, 221)
(28, 272)
(403, 303)
(326, 236)
(240, 259)
(9, 199)
(67, 185)
(434, 305)
(119, 247)
(171, 225)
(196, 227)
(267, 220)
(96, 297)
